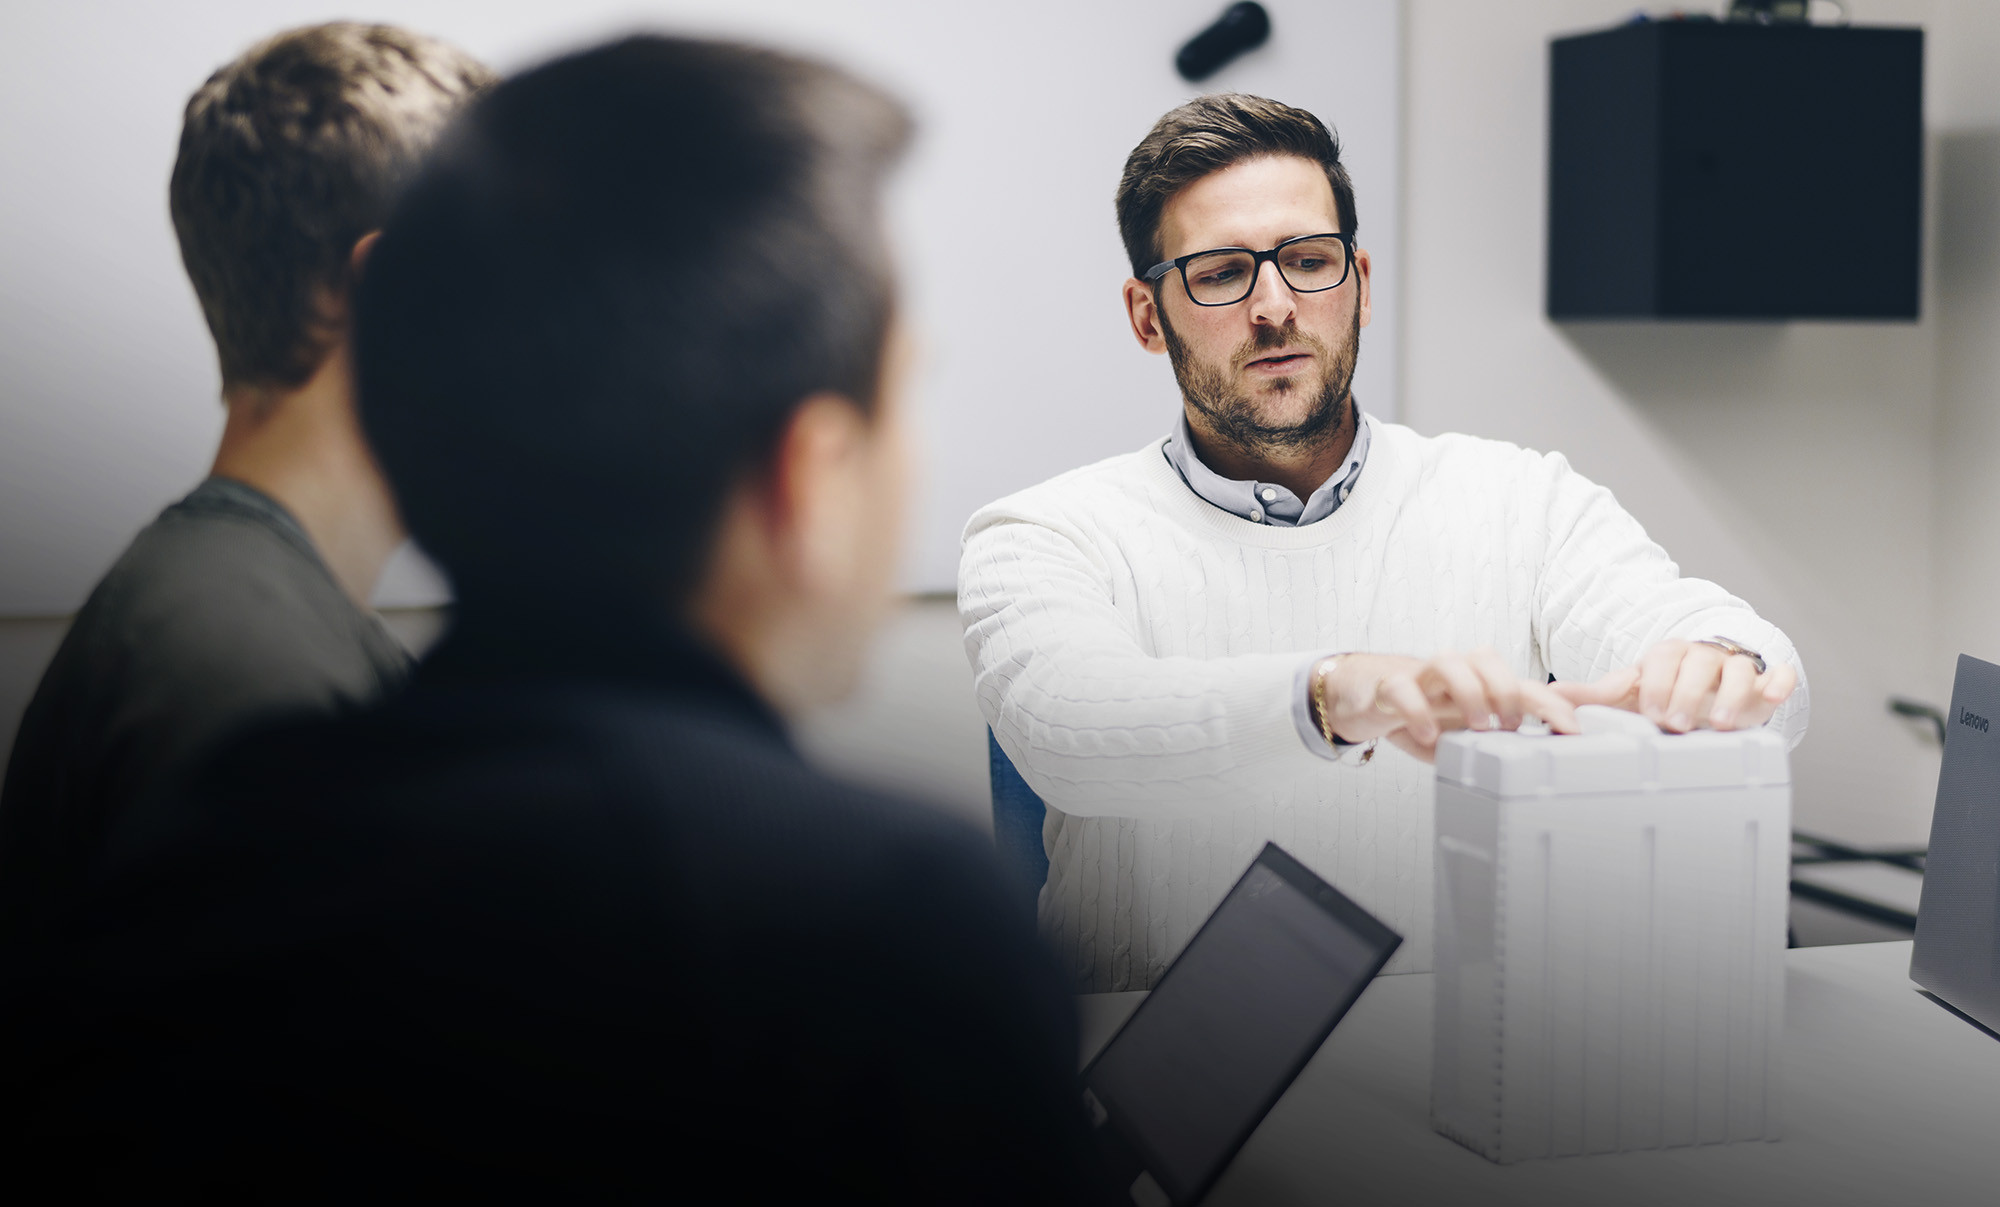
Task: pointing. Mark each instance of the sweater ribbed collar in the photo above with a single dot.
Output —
(1388, 470)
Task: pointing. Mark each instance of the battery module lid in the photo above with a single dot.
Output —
(1617, 751)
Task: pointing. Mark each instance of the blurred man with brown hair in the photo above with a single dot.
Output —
(246, 600)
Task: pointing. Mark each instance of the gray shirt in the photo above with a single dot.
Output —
(1267, 502)
(220, 615)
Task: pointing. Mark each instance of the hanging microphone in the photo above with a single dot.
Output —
(1241, 27)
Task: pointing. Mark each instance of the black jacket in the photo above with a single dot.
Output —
(560, 922)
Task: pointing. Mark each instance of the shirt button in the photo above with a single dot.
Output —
(1256, 515)
(1270, 496)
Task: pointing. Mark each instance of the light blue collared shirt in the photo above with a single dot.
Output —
(1267, 502)
(1270, 503)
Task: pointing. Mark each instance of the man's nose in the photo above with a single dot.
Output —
(1271, 300)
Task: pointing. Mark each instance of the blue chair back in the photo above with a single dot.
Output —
(1017, 822)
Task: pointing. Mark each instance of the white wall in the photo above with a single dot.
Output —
(1004, 221)
(1966, 487)
(1840, 476)
(1791, 462)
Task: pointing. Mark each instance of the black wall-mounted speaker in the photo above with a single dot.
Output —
(1702, 170)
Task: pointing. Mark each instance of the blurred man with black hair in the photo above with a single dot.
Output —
(570, 918)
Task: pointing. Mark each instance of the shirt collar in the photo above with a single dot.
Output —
(1267, 502)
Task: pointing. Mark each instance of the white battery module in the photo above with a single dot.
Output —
(1610, 938)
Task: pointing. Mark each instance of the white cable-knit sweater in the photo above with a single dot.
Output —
(1136, 649)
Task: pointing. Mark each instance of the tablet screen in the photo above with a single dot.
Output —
(1234, 1019)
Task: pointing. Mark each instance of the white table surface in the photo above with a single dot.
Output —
(1889, 1099)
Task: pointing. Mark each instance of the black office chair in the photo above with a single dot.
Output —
(1017, 823)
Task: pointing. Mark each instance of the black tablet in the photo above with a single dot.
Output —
(1192, 1073)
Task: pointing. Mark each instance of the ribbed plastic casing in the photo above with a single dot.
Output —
(1610, 938)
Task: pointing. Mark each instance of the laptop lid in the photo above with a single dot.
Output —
(1957, 952)
(1203, 1059)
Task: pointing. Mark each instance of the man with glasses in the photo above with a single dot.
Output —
(1203, 645)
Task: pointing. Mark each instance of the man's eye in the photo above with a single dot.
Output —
(1219, 276)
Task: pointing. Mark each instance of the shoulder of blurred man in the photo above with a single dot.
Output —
(224, 596)
(217, 617)
(615, 907)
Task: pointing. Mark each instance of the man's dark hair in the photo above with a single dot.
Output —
(1205, 136)
(595, 310)
(288, 156)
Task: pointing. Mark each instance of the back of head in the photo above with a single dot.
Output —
(288, 156)
(1204, 136)
(598, 306)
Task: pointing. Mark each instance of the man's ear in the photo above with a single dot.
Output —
(359, 256)
(1361, 267)
(1141, 307)
(817, 498)
(337, 302)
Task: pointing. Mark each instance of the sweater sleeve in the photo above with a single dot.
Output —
(1095, 724)
(1607, 593)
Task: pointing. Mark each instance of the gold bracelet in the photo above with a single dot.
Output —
(1321, 673)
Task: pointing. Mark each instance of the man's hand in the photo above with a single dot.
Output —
(1683, 685)
(1413, 701)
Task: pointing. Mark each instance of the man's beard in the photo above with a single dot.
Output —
(1231, 414)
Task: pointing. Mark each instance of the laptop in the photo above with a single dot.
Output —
(1234, 1018)
(1957, 953)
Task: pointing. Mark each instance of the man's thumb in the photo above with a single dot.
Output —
(1612, 689)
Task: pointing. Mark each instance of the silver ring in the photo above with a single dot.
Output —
(1730, 647)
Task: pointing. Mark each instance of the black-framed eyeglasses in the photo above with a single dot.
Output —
(1226, 275)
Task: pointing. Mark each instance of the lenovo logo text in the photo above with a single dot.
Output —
(1968, 717)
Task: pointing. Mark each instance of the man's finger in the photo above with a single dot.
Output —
(1401, 696)
(1619, 689)
(1503, 687)
(1737, 699)
(1462, 687)
(1543, 701)
(1695, 683)
(1659, 667)
(1777, 684)
(1768, 691)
